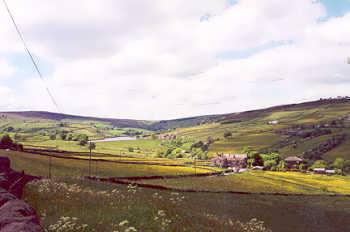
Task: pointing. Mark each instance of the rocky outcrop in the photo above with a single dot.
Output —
(15, 214)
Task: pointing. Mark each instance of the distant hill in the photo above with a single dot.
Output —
(181, 122)
(314, 129)
(122, 123)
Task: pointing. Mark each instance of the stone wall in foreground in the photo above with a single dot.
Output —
(15, 214)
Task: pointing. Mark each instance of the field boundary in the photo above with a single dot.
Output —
(136, 178)
(125, 181)
(47, 154)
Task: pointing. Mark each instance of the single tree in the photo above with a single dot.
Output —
(92, 145)
(227, 134)
(6, 141)
(346, 168)
(339, 163)
(319, 164)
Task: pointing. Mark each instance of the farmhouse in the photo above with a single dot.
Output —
(293, 162)
(230, 160)
(167, 137)
(273, 122)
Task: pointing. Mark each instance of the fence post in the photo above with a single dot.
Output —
(90, 160)
(50, 167)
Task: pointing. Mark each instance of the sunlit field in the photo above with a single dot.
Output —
(40, 166)
(263, 182)
(141, 147)
(77, 203)
(68, 201)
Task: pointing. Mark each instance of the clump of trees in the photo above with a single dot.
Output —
(6, 142)
(82, 139)
(227, 134)
(271, 161)
(341, 165)
(317, 152)
(185, 148)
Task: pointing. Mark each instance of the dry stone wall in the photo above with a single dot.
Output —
(15, 214)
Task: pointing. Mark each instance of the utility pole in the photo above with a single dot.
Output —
(96, 163)
(50, 167)
(195, 165)
(90, 148)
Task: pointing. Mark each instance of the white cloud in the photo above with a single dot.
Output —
(5, 69)
(158, 59)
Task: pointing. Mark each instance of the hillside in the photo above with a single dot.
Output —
(181, 122)
(320, 128)
(317, 129)
(122, 123)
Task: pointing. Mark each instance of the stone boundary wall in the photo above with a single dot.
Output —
(128, 181)
(15, 214)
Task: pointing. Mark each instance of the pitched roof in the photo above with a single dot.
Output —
(235, 156)
(293, 158)
(230, 157)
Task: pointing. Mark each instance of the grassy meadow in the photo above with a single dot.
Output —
(73, 204)
(39, 165)
(69, 203)
(249, 130)
(258, 134)
(141, 147)
(263, 181)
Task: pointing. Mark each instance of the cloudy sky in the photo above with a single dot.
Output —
(156, 59)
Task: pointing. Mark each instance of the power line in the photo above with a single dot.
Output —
(30, 55)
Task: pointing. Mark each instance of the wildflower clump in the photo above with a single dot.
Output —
(124, 226)
(176, 197)
(254, 225)
(161, 217)
(132, 188)
(67, 224)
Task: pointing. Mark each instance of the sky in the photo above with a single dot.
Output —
(156, 59)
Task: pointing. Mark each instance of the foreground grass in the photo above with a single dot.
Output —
(39, 165)
(75, 204)
(260, 181)
(81, 205)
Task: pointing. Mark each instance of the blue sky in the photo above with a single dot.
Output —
(336, 7)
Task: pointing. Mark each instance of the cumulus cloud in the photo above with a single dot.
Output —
(5, 69)
(156, 59)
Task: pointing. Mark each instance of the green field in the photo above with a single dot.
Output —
(67, 200)
(108, 207)
(256, 133)
(39, 165)
(142, 147)
(263, 181)
(247, 128)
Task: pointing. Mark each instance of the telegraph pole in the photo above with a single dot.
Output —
(50, 167)
(90, 158)
(195, 165)
(96, 163)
